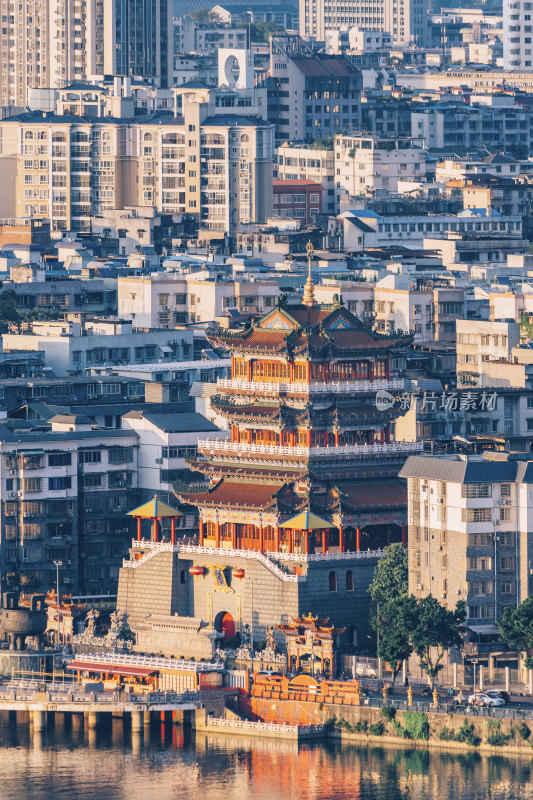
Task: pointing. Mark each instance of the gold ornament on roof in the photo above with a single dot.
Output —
(309, 288)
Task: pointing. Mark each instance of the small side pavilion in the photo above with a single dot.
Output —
(308, 523)
(155, 510)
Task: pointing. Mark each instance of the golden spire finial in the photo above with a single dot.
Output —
(309, 288)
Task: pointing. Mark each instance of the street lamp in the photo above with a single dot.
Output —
(475, 661)
(57, 565)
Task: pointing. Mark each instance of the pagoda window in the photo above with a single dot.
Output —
(302, 437)
(210, 530)
(380, 368)
(240, 368)
(270, 370)
(349, 581)
(318, 372)
(332, 578)
(350, 370)
(300, 373)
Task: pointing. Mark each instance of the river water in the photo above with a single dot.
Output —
(167, 764)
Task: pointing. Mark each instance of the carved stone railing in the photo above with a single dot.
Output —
(363, 387)
(226, 447)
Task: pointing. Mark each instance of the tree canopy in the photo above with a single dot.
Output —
(392, 610)
(516, 627)
(435, 630)
(390, 580)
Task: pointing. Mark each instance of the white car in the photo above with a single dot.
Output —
(482, 699)
(367, 670)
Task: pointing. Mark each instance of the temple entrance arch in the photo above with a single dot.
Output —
(224, 623)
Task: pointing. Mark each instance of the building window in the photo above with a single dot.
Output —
(507, 563)
(59, 459)
(505, 490)
(332, 581)
(183, 576)
(476, 514)
(507, 587)
(120, 455)
(90, 457)
(505, 514)
(349, 581)
(477, 490)
(55, 484)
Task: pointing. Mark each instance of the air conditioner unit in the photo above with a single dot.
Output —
(457, 591)
(12, 471)
(159, 461)
(443, 596)
(497, 522)
(418, 585)
(440, 547)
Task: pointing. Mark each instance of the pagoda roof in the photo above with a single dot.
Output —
(381, 493)
(237, 494)
(307, 521)
(294, 329)
(153, 509)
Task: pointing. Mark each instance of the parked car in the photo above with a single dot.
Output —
(484, 699)
(366, 669)
(499, 693)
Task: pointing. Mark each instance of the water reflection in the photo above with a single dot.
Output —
(168, 763)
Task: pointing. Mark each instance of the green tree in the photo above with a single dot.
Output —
(391, 609)
(390, 580)
(8, 309)
(435, 630)
(261, 31)
(395, 620)
(516, 628)
(204, 16)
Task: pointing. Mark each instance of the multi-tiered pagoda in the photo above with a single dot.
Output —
(311, 403)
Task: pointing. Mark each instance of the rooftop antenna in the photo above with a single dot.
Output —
(309, 288)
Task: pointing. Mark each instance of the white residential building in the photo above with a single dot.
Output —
(405, 20)
(373, 166)
(164, 300)
(517, 35)
(76, 348)
(479, 344)
(298, 162)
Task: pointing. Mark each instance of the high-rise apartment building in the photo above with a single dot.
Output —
(138, 39)
(50, 43)
(212, 165)
(405, 20)
(47, 43)
(469, 537)
(517, 34)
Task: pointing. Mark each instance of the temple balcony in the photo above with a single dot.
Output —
(362, 387)
(223, 446)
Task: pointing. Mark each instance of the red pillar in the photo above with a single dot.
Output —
(341, 539)
(249, 436)
(277, 539)
(173, 530)
(233, 366)
(217, 533)
(307, 542)
(357, 539)
(139, 529)
(291, 541)
(309, 438)
(387, 369)
(308, 372)
(382, 436)
(371, 437)
(261, 538)
(325, 541)
(249, 370)
(370, 370)
(155, 530)
(336, 438)
(291, 372)
(404, 535)
(387, 434)
(201, 532)
(234, 535)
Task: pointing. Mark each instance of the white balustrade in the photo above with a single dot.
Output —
(398, 384)
(268, 560)
(225, 446)
(134, 660)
